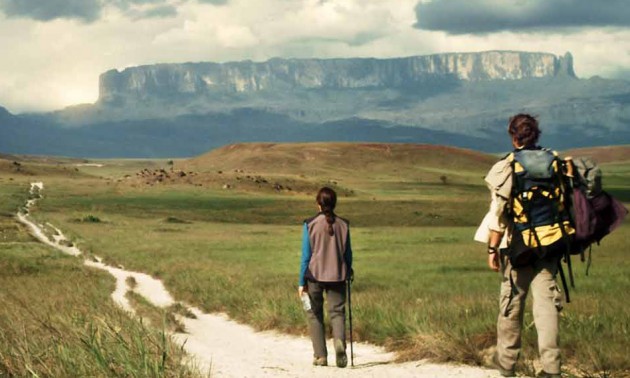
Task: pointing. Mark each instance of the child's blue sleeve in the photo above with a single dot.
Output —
(306, 255)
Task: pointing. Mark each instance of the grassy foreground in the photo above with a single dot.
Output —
(422, 286)
(57, 318)
(422, 290)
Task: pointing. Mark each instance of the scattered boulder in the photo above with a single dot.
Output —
(163, 176)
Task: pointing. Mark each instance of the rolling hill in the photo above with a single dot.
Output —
(389, 159)
(602, 155)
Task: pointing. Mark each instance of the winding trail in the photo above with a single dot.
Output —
(223, 348)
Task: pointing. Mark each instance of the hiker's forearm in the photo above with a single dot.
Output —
(493, 244)
(495, 238)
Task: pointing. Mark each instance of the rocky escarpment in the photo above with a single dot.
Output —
(194, 79)
(464, 100)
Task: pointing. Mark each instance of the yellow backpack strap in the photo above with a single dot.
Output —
(556, 167)
(517, 166)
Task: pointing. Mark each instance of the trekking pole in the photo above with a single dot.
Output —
(350, 320)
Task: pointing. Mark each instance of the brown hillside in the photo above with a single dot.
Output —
(10, 165)
(37, 166)
(304, 158)
(9, 157)
(602, 155)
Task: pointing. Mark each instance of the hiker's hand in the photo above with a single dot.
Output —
(300, 291)
(493, 261)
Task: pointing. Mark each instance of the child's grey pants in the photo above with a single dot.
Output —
(336, 298)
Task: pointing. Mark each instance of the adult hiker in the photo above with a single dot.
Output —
(527, 236)
(326, 266)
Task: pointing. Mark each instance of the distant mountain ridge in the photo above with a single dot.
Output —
(166, 80)
(4, 113)
(457, 99)
(311, 90)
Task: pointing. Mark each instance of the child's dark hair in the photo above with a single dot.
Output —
(327, 200)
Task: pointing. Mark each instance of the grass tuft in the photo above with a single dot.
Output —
(176, 220)
(91, 219)
(131, 282)
(165, 317)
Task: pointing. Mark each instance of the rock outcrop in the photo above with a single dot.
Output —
(173, 81)
(176, 110)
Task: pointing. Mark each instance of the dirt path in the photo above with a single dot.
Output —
(224, 348)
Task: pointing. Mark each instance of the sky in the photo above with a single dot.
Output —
(53, 51)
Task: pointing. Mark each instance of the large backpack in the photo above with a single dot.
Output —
(558, 208)
(594, 212)
(542, 226)
(538, 208)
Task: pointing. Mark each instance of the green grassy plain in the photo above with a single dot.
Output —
(422, 286)
(57, 318)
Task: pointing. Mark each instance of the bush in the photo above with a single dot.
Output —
(176, 220)
(91, 219)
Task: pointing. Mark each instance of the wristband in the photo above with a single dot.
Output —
(492, 250)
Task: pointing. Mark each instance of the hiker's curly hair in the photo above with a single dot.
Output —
(524, 128)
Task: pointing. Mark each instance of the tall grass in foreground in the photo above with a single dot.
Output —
(424, 292)
(421, 290)
(57, 318)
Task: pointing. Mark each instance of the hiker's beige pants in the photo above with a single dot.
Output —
(336, 298)
(540, 279)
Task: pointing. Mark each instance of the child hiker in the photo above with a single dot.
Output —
(326, 266)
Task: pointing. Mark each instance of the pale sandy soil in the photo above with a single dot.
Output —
(221, 347)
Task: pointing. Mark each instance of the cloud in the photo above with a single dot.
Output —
(146, 9)
(55, 64)
(90, 11)
(144, 1)
(487, 16)
(154, 12)
(84, 10)
(215, 2)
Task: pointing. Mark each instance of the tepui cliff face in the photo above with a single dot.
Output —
(199, 79)
(173, 110)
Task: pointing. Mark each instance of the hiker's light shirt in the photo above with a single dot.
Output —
(497, 220)
(499, 181)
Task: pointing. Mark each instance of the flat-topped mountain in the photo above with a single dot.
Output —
(167, 80)
(457, 99)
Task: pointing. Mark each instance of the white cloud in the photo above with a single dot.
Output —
(48, 65)
(484, 16)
